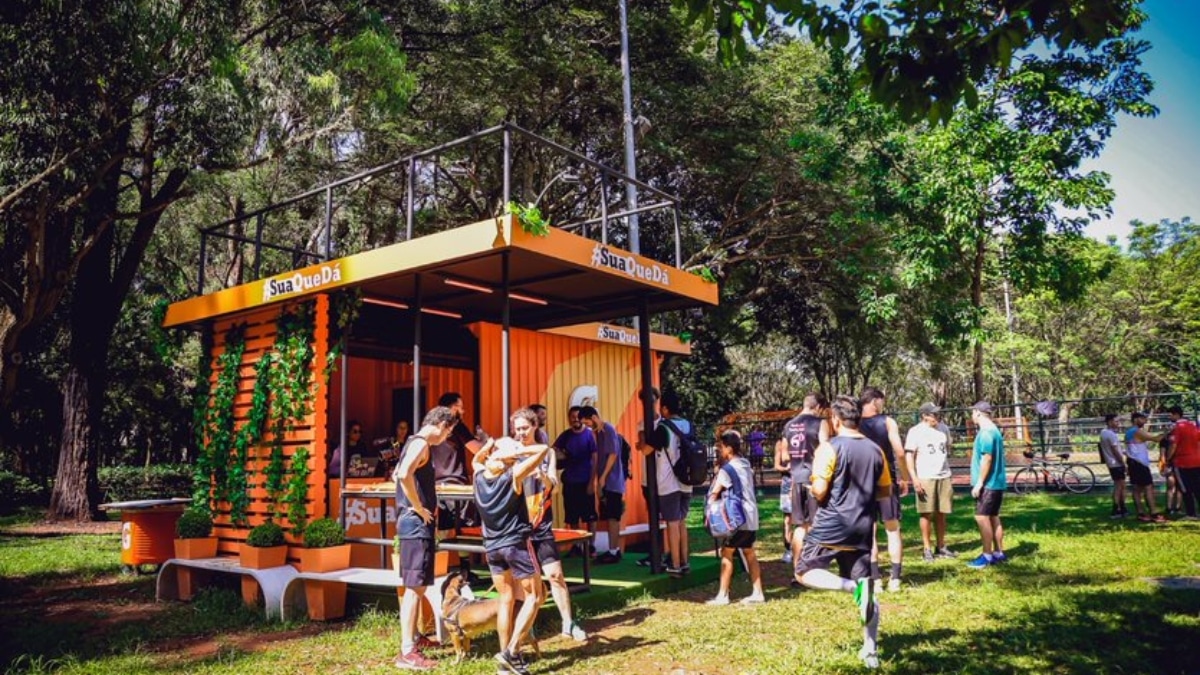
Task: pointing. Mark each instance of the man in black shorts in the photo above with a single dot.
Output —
(500, 472)
(1114, 460)
(802, 435)
(883, 431)
(416, 502)
(849, 476)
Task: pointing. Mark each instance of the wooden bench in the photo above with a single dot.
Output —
(295, 598)
(175, 581)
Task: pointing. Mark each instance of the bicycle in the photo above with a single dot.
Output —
(1041, 472)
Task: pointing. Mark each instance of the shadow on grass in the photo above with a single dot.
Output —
(1085, 632)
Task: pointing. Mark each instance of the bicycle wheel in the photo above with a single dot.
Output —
(1026, 481)
(1078, 478)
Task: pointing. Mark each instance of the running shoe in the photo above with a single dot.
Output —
(944, 552)
(869, 658)
(719, 601)
(752, 599)
(1160, 518)
(981, 562)
(927, 555)
(893, 586)
(608, 558)
(998, 557)
(574, 632)
(787, 557)
(674, 571)
(512, 663)
(414, 660)
(864, 598)
(423, 643)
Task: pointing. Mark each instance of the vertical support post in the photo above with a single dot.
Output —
(648, 414)
(603, 208)
(507, 169)
(678, 243)
(203, 262)
(631, 193)
(409, 205)
(258, 228)
(505, 354)
(416, 412)
(328, 223)
(343, 406)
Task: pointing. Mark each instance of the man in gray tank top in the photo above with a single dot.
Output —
(416, 504)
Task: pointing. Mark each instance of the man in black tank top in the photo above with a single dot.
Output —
(801, 436)
(848, 477)
(500, 473)
(886, 434)
(416, 503)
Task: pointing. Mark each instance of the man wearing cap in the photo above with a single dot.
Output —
(926, 452)
(988, 482)
(1137, 456)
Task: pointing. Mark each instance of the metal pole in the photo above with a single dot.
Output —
(505, 354)
(328, 223)
(631, 194)
(416, 412)
(1016, 391)
(604, 208)
(342, 407)
(507, 178)
(258, 228)
(408, 208)
(203, 261)
(678, 241)
(650, 466)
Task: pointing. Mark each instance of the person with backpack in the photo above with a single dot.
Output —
(610, 479)
(735, 481)
(671, 433)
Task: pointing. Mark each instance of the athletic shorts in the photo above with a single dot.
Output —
(1139, 474)
(852, 564)
(1116, 472)
(989, 502)
(612, 505)
(887, 509)
(804, 504)
(739, 539)
(578, 504)
(672, 507)
(514, 558)
(416, 562)
(939, 495)
(785, 493)
(546, 551)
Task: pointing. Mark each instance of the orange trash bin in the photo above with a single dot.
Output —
(148, 529)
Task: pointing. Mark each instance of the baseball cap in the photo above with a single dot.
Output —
(929, 409)
(983, 407)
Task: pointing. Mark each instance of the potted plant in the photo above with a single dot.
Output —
(325, 550)
(193, 532)
(264, 547)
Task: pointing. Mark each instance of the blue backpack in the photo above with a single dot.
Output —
(725, 516)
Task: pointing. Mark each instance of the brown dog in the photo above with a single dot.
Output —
(467, 617)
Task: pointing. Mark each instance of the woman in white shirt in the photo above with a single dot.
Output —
(729, 447)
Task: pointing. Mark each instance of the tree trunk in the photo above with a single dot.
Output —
(977, 302)
(76, 490)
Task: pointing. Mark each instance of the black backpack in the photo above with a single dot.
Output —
(691, 467)
(626, 457)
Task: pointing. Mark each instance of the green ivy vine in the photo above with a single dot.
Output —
(344, 306)
(219, 421)
(291, 384)
(238, 478)
(202, 473)
(531, 218)
(297, 495)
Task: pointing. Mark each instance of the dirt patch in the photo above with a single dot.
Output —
(58, 528)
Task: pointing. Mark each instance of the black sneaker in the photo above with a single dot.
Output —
(644, 562)
(608, 558)
(512, 663)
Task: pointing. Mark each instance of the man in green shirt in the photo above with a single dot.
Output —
(988, 482)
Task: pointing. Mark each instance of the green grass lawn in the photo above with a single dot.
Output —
(1079, 596)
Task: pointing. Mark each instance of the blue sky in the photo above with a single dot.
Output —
(1155, 162)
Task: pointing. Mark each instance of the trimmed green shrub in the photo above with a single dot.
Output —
(323, 533)
(194, 524)
(17, 491)
(266, 535)
(160, 481)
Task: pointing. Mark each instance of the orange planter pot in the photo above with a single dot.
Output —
(262, 558)
(192, 549)
(325, 559)
(326, 599)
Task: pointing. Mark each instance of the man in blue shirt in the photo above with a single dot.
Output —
(988, 482)
(577, 449)
(610, 477)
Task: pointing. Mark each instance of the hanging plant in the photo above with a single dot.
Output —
(344, 307)
(248, 436)
(297, 495)
(220, 420)
(202, 471)
(291, 385)
(531, 218)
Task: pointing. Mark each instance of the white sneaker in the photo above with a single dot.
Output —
(575, 632)
(718, 601)
(893, 585)
(755, 599)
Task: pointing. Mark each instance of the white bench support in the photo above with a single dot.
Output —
(272, 580)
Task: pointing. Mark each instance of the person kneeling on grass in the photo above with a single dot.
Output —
(849, 476)
(729, 446)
